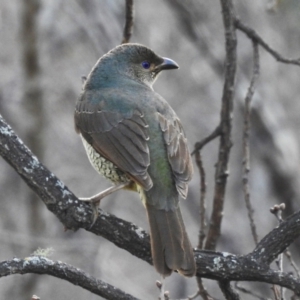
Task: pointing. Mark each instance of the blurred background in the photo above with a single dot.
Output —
(46, 46)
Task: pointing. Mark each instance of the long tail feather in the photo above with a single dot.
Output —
(170, 245)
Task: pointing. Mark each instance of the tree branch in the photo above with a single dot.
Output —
(75, 214)
(202, 213)
(45, 266)
(72, 212)
(246, 147)
(225, 124)
(129, 22)
(229, 267)
(199, 145)
(252, 34)
(278, 239)
(228, 291)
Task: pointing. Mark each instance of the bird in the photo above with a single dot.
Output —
(134, 138)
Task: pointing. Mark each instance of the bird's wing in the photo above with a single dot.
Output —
(178, 152)
(120, 138)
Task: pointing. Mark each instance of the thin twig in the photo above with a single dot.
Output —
(228, 291)
(202, 290)
(252, 34)
(292, 262)
(277, 210)
(276, 292)
(249, 292)
(203, 224)
(129, 22)
(246, 148)
(222, 172)
(212, 136)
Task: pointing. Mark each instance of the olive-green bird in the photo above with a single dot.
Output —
(135, 139)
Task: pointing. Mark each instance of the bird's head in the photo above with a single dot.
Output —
(134, 61)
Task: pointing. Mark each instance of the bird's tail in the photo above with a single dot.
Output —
(170, 245)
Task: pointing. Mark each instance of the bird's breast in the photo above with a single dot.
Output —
(103, 166)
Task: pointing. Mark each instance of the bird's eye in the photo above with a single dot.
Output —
(145, 64)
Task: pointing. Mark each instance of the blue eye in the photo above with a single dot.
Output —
(146, 64)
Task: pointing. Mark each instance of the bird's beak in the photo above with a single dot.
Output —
(167, 64)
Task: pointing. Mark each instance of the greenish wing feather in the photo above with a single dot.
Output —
(178, 152)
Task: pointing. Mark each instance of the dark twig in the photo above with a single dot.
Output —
(246, 148)
(226, 125)
(228, 291)
(292, 262)
(252, 34)
(202, 290)
(199, 145)
(43, 265)
(248, 292)
(129, 22)
(277, 210)
(202, 215)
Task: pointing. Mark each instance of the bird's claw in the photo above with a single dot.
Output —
(95, 208)
(96, 199)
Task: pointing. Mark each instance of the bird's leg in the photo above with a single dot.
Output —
(95, 200)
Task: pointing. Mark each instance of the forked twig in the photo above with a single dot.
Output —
(212, 136)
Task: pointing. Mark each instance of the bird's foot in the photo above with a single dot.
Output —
(95, 203)
(96, 199)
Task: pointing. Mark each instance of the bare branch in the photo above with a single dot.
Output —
(228, 291)
(72, 212)
(202, 215)
(229, 267)
(277, 240)
(129, 22)
(76, 214)
(277, 210)
(226, 124)
(202, 290)
(292, 262)
(43, 265)
(252, 34)
(246, 148)
(212, 136)
(248, 291)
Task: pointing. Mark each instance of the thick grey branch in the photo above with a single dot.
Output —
(45, 266)
(230, 267)
(75, 214)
